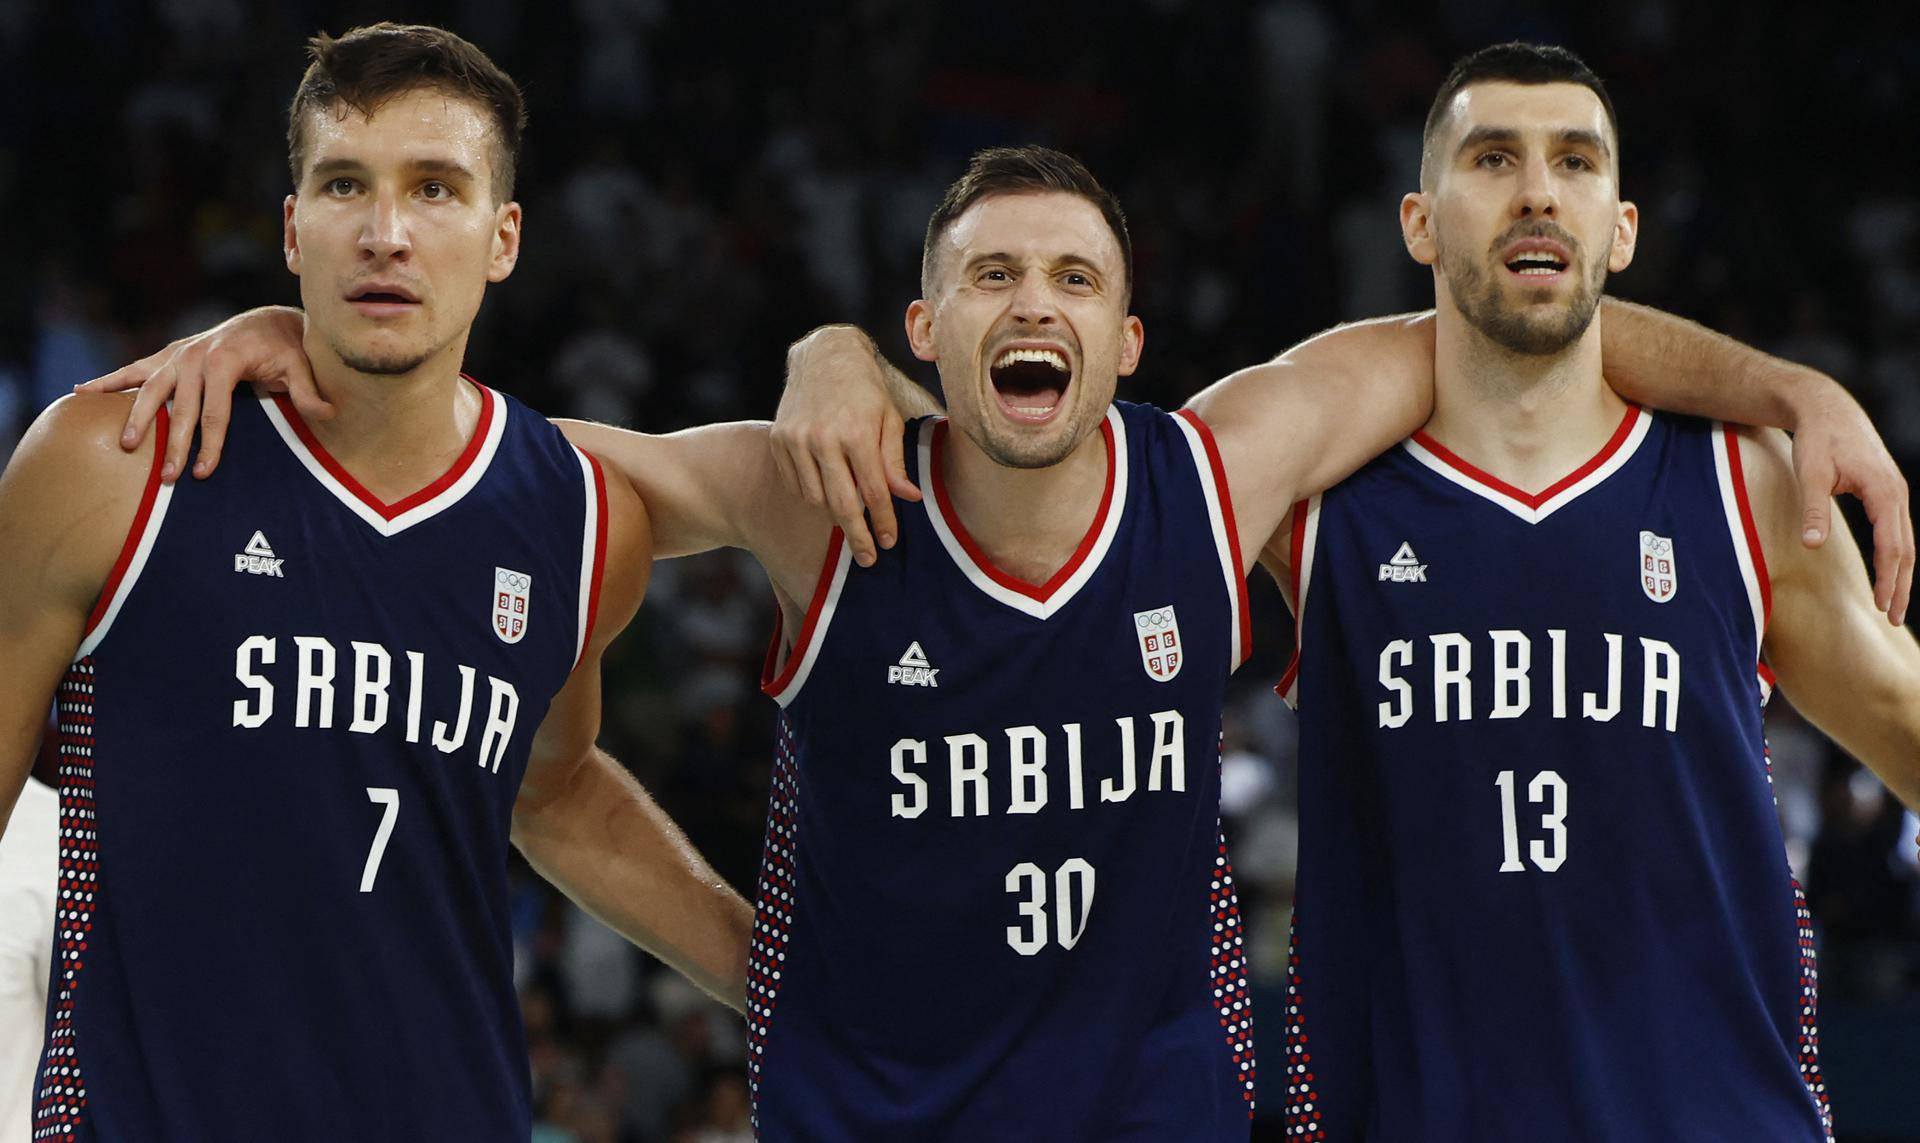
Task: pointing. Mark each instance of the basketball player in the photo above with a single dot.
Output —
(306, 703)
(1010, 856)
(1542, 889)
(1537, 835)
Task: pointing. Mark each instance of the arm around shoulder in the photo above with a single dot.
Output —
(1853, 675)
(1306, 420)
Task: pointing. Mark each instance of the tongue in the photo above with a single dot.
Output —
(1030, 397)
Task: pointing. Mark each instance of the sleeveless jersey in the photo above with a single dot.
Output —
(1542, 889)
(994, 901)
(290, 746)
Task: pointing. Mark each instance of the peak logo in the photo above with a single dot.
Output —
(1404, 567)
(913, 669)
(257, 558)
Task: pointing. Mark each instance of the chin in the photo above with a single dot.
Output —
(382, 361)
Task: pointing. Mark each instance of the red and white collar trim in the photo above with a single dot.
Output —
(1534, 507)
(1037, 600)
(435, 498)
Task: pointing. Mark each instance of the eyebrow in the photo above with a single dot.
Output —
(444, 168)
(1062, 260)
(1578, 136)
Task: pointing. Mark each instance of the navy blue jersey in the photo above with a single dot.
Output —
(290, 747)
(995, 902)
(1542, 889)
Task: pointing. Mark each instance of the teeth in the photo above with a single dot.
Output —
(1038, 356)
(1539, 271)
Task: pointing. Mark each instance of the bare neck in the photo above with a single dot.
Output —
(1526, 419)
(395, 433)
(1028, 521)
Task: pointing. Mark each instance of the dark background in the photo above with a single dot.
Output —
(704, 182)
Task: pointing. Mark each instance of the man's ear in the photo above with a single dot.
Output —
(1626, 237)
(506, 242)
(1416, 228)
(290, 235)
(920, 329)
(1133, 342)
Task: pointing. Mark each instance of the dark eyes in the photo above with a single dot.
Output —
(1494, 160)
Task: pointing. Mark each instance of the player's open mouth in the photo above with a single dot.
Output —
(383, 299)
(1537, 259)
(1031, 381)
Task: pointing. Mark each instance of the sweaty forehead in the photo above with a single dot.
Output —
(1040, 226)
(413, 126)
(1545, 109)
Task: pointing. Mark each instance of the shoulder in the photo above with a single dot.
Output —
(1760, 466)
(628, 562)
(70, 491)
(80, 435)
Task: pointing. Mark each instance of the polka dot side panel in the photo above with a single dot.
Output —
(1301, 1116)
(1808, 1040)
(1227, 972)
(773, 911)
(61, 1098)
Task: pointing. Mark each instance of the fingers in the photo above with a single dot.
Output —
(847, 509)
(297, 376)
(125, 377)
(1900, 583)
(869, 471)
(183, 417)
(892, 452)
(1816, 477)
(216, 409)
(146, 403)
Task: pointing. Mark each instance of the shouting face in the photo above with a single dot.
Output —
(1026, 318)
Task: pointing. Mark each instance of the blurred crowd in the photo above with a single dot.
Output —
(704, 182)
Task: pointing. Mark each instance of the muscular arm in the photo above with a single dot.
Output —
(587, 826)
(1852, 675)
(716, 487)
(66, 501)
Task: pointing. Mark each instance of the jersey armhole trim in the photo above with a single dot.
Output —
(1306, 535)
(1226, 534)
(783, 686)
(1747, 549)
(593, 551)
(134, 552)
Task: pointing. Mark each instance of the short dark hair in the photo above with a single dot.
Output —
(1025, 170)
(377, 62)
(1515, 62)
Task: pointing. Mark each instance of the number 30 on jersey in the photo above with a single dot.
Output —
(1072, 886)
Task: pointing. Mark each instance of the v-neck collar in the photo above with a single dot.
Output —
(1534, 507)
(439, 495)
(1038, 600)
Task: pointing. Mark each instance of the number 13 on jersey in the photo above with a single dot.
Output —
(1547, 853)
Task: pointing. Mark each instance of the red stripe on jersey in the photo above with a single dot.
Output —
(1747, 526)
(771, 684)
(599, 551)
(389, 511)
(1296, 550)
(1041, 592)
(1233, 531)
(139, 528)
(1530, 499)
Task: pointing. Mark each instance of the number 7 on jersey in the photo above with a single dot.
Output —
(389, 797)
